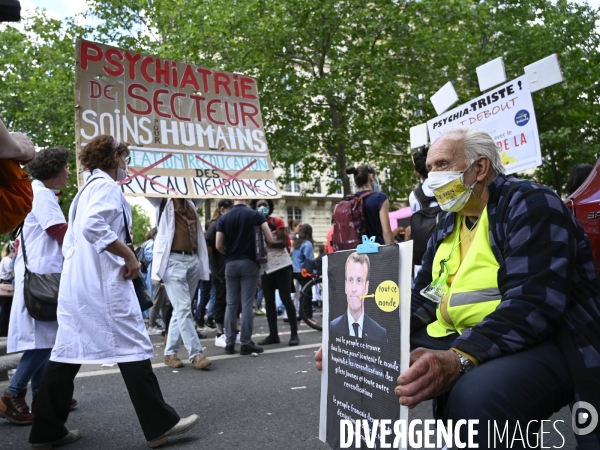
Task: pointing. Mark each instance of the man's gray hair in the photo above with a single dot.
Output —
(479, 143)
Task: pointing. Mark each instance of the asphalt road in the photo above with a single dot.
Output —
(265, 402)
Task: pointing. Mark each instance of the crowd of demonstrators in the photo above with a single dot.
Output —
(518, 322)
(180, 261)
(376, 203)
(99, 321)
(578, 174)
(41, 241)
(236, 239)
(216, 261)
(280, 280)
(303, 258)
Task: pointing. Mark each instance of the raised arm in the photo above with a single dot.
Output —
(15, 146)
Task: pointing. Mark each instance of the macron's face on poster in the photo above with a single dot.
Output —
(357, 285)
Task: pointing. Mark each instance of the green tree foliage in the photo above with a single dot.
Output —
(341, 81)
(37, 61)
(140, 224)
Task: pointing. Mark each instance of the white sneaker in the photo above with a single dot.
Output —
(221, 341)
(263, 310)
(154, 331)
(237, 339)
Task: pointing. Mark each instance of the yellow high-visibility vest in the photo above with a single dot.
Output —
(474, 291)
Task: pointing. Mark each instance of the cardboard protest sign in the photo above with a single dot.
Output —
(365, 342)
(507, 113)
(194, 132)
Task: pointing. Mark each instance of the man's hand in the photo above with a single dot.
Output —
(431, 373)
(27, 152)
(319, 359)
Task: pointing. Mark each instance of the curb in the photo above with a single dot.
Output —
(8, 362)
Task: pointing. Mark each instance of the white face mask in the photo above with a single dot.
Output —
(122, 173)
(450, 190)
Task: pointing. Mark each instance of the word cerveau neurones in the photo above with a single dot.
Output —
(138, 67)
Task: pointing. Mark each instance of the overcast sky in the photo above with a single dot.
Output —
(63, 8)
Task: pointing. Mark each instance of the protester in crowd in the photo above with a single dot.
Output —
(216, 262)
(42, 236)
(99, 320)
(180, 261)
(16, 195)
(236, 239)
(294, 228)
(260, 295)
(7, 271)
(376, 204)
(578, 174)
(516, 330)
(328, 248)
(278, 280)
(303, 257)
(201, 302)
(414, 198)
(158, 298)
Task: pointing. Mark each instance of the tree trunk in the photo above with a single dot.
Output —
(340, 154)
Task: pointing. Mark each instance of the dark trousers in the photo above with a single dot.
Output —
(526, 386)
(220, 300)
(307, 304)
(201, 301)
(282, 280)
(54, 401)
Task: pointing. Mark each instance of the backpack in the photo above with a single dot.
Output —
(423, 223)
(140, 254)
(16, 195)
(349, 222)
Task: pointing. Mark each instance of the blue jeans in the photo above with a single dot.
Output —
(181, 278)
(211, 303)
(202, 299)
(31, 367)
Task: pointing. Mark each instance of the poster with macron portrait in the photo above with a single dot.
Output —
(366, 321)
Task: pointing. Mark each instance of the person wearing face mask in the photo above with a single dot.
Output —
(505, 311)
(376, 203)
(278, 280)
(43, 233)
(99, 319)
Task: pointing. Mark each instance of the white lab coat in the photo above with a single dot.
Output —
(44, 255)
(164, 239)
(99, 318)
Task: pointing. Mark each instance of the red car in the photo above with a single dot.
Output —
(584, 203)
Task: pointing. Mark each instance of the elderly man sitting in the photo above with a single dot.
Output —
(505, 321)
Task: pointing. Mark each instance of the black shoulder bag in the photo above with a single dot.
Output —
(41, 290)
(139, 284)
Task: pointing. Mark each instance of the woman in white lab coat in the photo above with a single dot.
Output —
(99, 318)
(42, 235)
